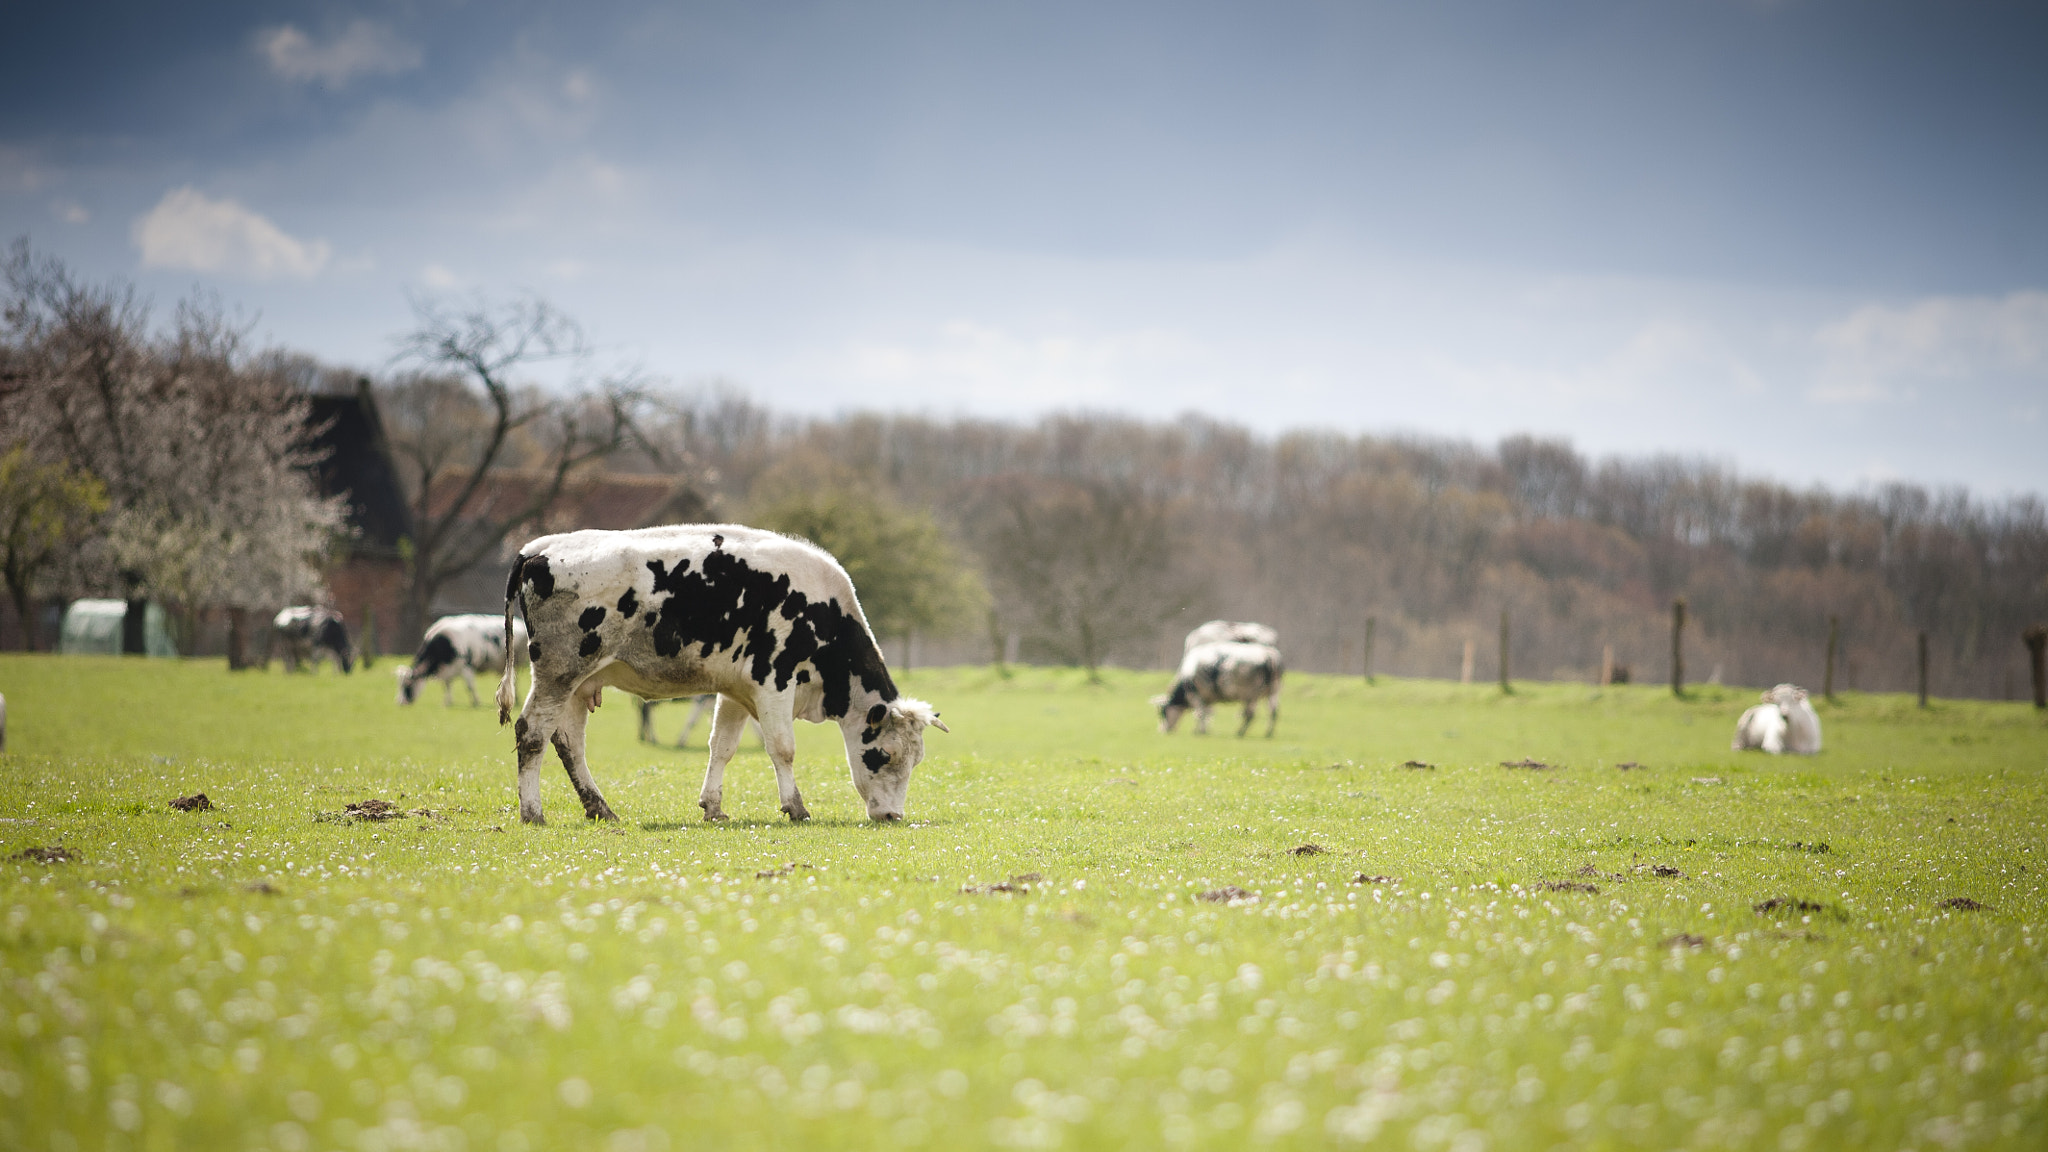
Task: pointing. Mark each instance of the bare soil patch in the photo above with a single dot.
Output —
(1963, 904)
(196, 802)
(1227, 894)
(1525, 762)
(54, 854)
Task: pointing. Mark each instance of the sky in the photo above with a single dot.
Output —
(1806, 238)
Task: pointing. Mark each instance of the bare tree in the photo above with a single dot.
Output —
(1087, 565)
(464, 424)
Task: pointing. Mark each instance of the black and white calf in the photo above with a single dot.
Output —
(1227, 670)
(1216, 631)
(769, 623)
(460, 645)
(310, 633)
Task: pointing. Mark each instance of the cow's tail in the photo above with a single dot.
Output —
(508, 685)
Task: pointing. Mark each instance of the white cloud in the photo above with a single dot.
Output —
(70, 211)
(360, 49)
(439, 276)
(1881, 352)
(188, 230)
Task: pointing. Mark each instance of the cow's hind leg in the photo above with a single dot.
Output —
(568, 740)
(1251, 713)
(532, 731)
(1272, 714)
(728, 720)
(469, 681)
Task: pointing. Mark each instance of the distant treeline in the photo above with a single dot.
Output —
(1316, 532)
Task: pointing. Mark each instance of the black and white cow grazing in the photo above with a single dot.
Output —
(1227, 670)
(460, 645)
(768, 622)
(308, 633)
(1216, 631)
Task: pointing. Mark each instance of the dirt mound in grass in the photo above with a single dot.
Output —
(1227, 894)
(196, 802)
(54, 854)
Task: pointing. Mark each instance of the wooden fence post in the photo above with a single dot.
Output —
(1369, 622)
(1678, 647)
(1923, 669)
(1465, 669)
(2036, 640)
(1827, 683)
(1505, 687)
(1607, 665)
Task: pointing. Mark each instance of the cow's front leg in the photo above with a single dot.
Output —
(728, 720)
(1202, 720)
(469, 681)
(1272, 715)
(569, 746)
(778, 735)
(1251, 713)
(447, 690)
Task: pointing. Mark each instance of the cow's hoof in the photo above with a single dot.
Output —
(603, 812)
(796, 812)
(711, 810)
(533, 817)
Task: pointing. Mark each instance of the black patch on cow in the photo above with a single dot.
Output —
(533, 650)
(437, 653)
(727, 605)
(591, 643)
(876, 713)
(629, 604)
(1179, 698)
(591, 618)
(869, 733)
(717, 541)
(519, 729)
(875, 759)
(539, 577)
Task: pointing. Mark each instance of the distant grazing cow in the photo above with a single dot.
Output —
(699, 707)
(460, 645)
(1216, 631)
(1784, 722)
(768, 622)
(1227, 670)
(309, 633)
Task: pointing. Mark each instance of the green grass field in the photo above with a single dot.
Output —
(1568, 956)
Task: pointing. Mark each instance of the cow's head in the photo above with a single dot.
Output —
(891, 745)
(408, 685)
(1173, 706)
(1785, 696)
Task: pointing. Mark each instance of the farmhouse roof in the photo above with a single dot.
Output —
(355, 462)
(594, 500)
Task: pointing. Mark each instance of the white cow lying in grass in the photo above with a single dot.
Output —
(1217, 631)
(1784, 722)
(768, 622)
(464, 645)
(1227, 670)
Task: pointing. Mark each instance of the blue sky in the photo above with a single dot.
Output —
(1807, 238)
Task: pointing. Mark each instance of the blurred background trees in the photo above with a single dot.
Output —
(175, 461)
(193, 443)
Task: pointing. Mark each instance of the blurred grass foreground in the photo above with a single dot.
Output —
(1365, 932)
